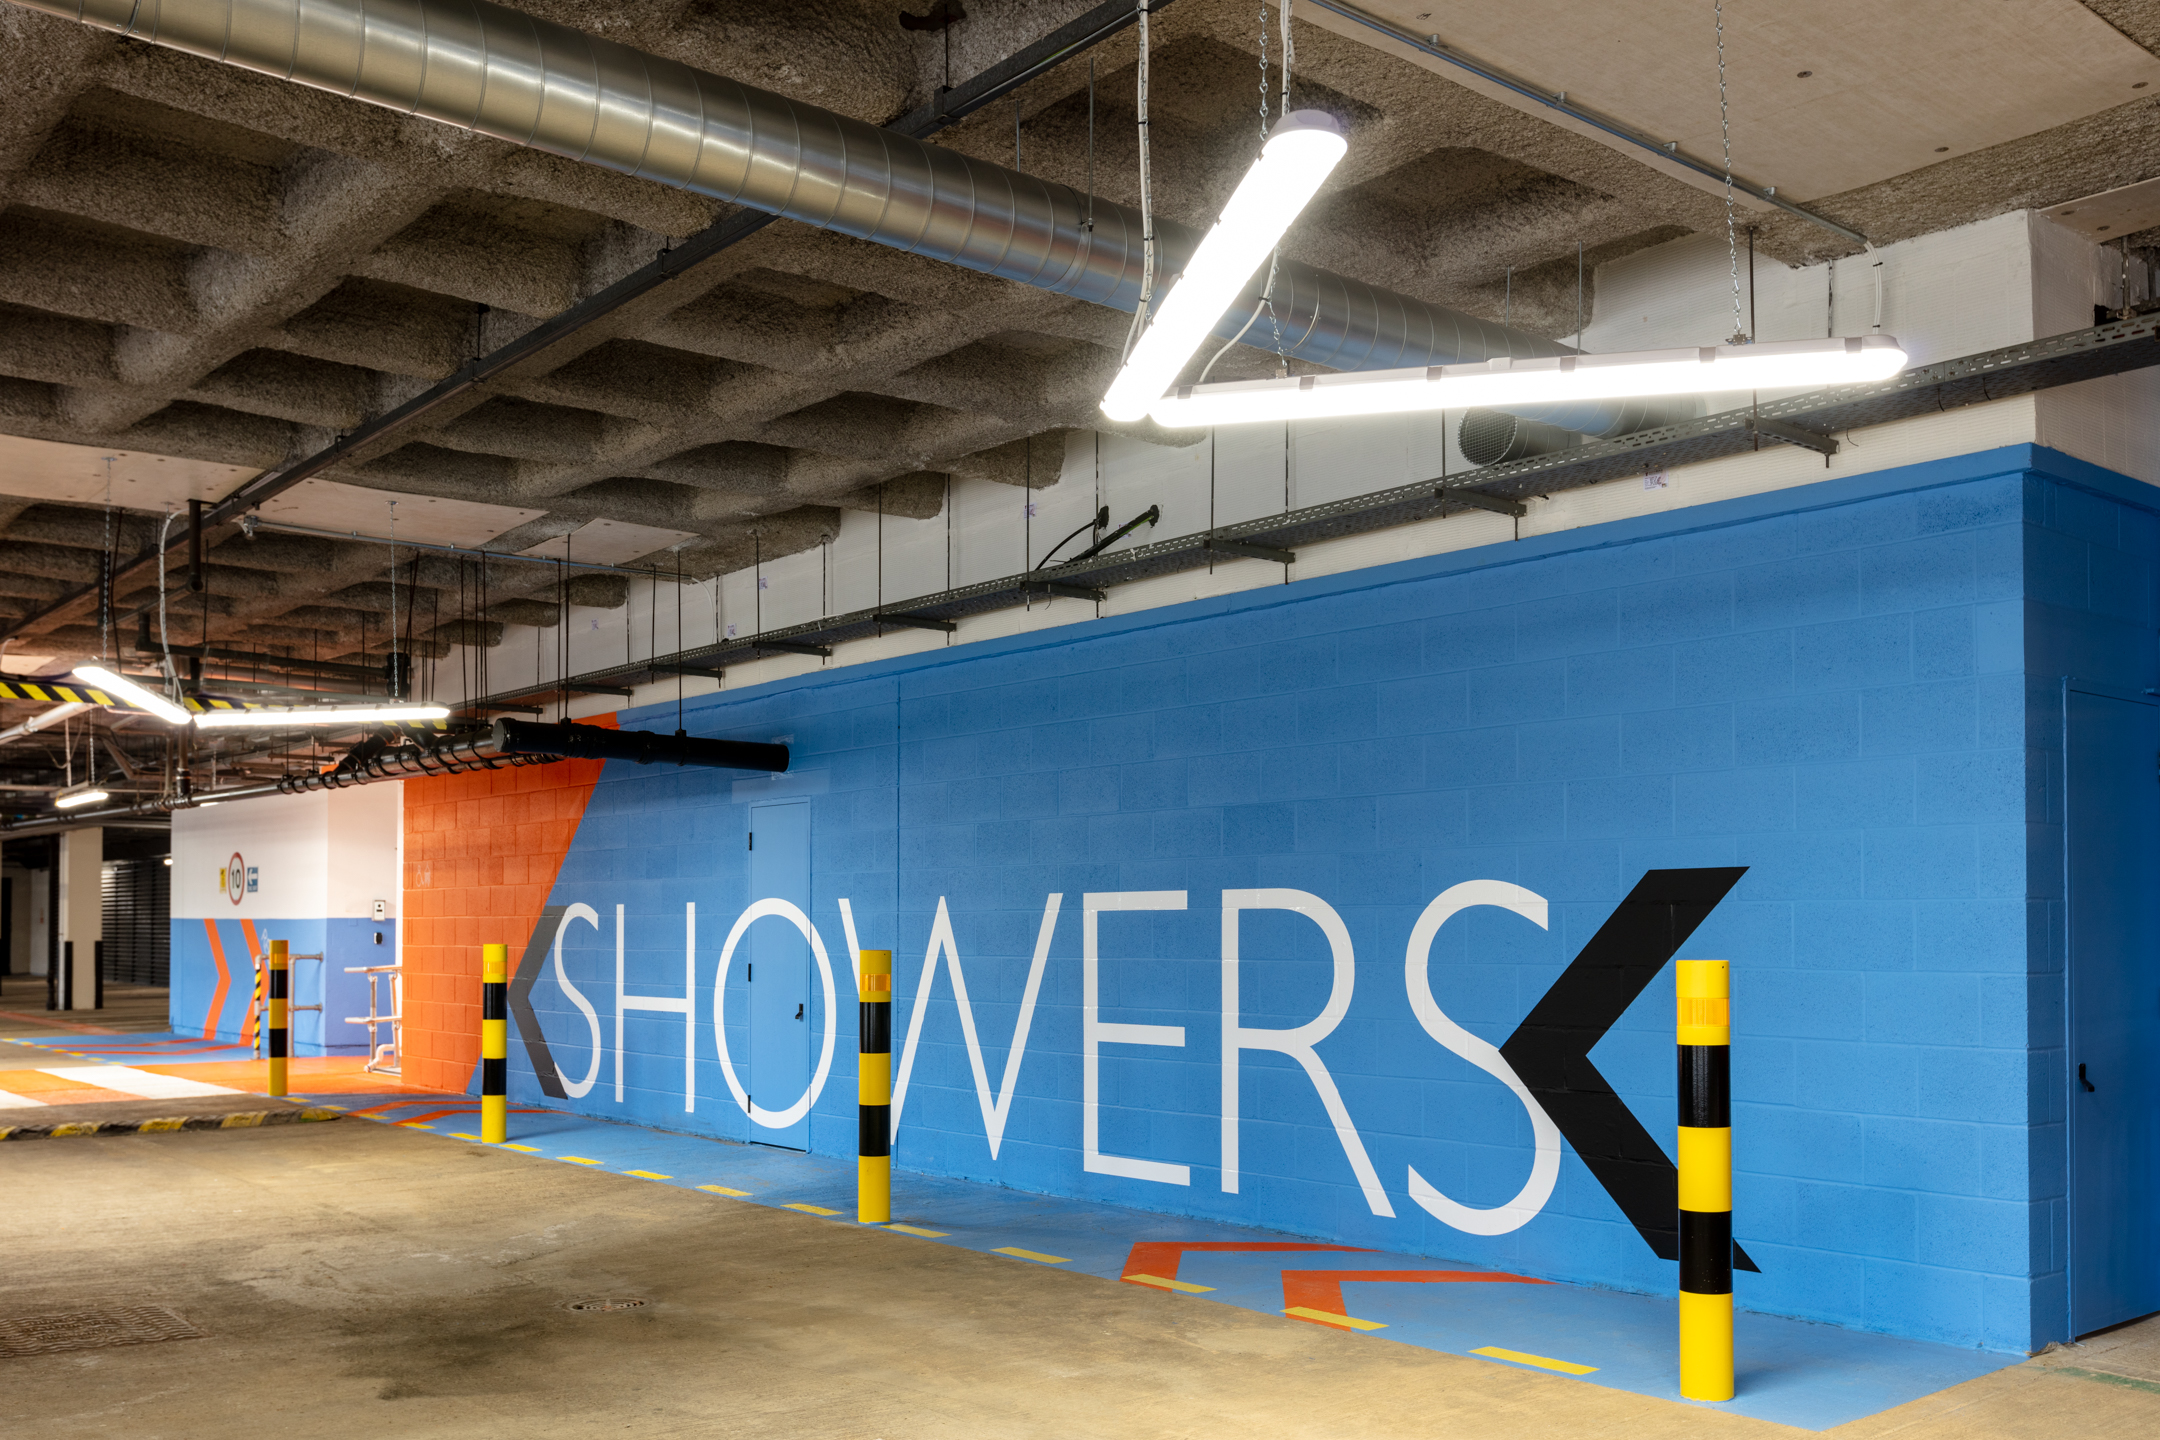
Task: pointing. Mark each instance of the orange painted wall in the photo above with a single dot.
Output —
(482, 851)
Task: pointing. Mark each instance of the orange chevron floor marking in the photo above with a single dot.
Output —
(1152, 1262)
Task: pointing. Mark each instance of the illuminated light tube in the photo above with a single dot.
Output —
(75, 799)
(358, 715)
(127, 689)
(1776, 365)
(1298, 156)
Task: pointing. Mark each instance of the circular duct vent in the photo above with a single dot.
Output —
(1489, 437)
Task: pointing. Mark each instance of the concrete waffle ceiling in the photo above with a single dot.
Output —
(228, 271)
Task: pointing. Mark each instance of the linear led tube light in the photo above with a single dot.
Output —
(127, 689)
(1304, 147)
(353, 715)
(1776, 365)
(80, 796)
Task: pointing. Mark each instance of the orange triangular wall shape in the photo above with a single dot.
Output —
(482, 851)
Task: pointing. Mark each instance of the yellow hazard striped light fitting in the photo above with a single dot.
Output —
(133, 693)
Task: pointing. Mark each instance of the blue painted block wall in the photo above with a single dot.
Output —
(1837, 687)
(341, 941)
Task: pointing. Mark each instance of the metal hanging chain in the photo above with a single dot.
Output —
(1267, 291)
(1732, 243)
(1147, 203)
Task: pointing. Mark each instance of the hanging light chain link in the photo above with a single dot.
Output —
(1732, 243)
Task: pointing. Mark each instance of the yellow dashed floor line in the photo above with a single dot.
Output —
(1036, 1255)
(1543, 1362)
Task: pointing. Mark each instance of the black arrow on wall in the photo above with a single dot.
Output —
(1550, 1050)
(528, 1024)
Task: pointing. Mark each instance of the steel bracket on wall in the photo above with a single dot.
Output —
(1793, 435)
(792, 647)
(915, 622)
(1069, 592)
(1250, 551)
(703, 672)
(1479, 500)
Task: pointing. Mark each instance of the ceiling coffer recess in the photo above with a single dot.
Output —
(485, 68)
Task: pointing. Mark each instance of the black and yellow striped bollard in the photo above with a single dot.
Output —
(279, 967)
(494, 1044)
(1706, 1240)
(873, 1092)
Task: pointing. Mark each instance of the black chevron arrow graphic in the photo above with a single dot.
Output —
(528, 1024)
(1550, 1050)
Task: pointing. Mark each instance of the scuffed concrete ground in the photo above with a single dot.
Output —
(352, 1280)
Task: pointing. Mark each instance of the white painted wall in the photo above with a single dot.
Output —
(324, 855)
(1978, 287)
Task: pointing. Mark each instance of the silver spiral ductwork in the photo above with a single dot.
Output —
(1492, 437)
(494, 70)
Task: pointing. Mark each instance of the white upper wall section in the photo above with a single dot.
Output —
(322, 855)
(1979, 287)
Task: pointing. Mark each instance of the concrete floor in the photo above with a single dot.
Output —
(357, 1279)
(127, 1007)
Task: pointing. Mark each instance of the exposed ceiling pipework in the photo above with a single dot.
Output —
(485, 68)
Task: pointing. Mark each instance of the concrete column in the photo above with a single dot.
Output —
(82, 913)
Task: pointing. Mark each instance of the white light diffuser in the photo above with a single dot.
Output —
(127, 689)
(355, 715)
(74, 799)
(1304, 147)
(1777, 365)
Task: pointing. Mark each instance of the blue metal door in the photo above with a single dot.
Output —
(781, 1022)
(2114, 984)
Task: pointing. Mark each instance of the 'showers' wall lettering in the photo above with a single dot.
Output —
(1544, 1064)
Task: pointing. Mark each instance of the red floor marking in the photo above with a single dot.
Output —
(1160, 1258)
(1322, 1289)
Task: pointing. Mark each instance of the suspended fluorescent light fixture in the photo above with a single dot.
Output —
(1775, 365)
(1305, 146)
(352, 715)
(79, 796)
(127, 689)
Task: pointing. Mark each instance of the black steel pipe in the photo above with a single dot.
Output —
(646, 747)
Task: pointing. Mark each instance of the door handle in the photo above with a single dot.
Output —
(2081, 1074)
(798, 1015)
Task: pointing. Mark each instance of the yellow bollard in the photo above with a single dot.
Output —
(279, 966)
(873, 1092)
(494, 1043)
(1706, 1244)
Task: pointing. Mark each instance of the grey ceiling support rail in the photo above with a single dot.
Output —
(1095, 26)
(1559, 103)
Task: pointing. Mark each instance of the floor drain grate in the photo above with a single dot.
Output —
(92, 1329)
(596, 1306)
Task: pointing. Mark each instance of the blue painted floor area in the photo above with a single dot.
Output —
(1790, 1371)
(149, 1047)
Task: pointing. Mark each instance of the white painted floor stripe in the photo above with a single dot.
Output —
(15, 1102)
(130, 1081)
